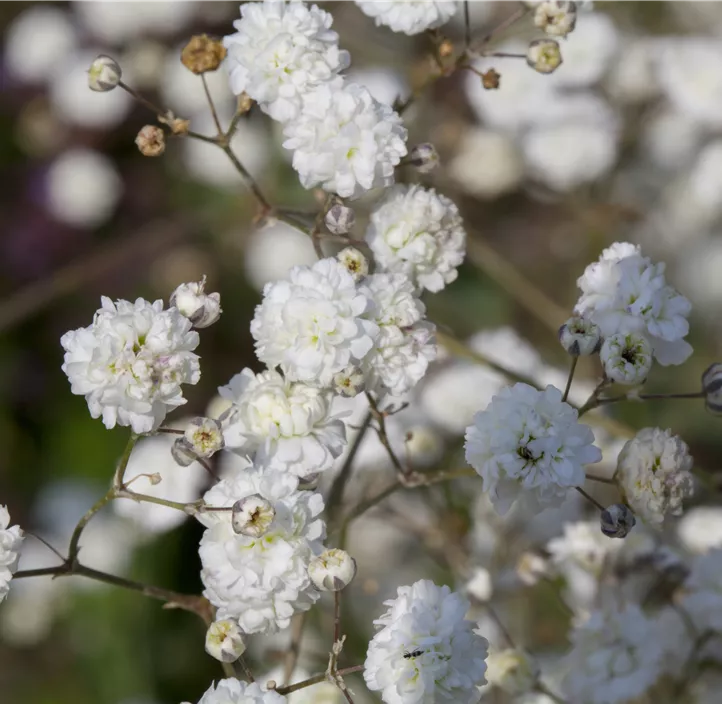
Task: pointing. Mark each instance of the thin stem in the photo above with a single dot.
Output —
(601, 480)
(173, 431)
(75, 538)
(297, 624)
(123, 462)
(127, 494)
(595, 402)
(211, 105)
(500, 625)
(234, 124)
(246, 670)
(247, 179)
(337, 616)
(316, 679)
(572, 369)
(500, 28)
(467, 26)
(201, 137)
(590, 498)
(503, 55)
(144, 101)
(384, 437)
(46, 544)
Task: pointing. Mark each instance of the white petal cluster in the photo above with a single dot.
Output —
(626, 358)
(512, 670)
(654, 473)
(625, 293)
(261, 581)
(582, 545)
(283, 425)
(280, 52)
(11, 539)
(405, 345)
(615, 657)
(409, 16)
(418, 232)
(529, 443)
(131, 362)
(345, 141)
(702, 599)
(425, 651)
(233, 691)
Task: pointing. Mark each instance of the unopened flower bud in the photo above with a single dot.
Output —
(340, 219)
(490, 79)
(627, 358)
(155, 479)
(252, 516)
(204, 436)
(479, 586)
(332, 570)
(244, 103)
(617, 520)
(224, 641)
(349, 382)
(202, 309)
(544, 55)
(446, 48)
(424, 157)
(556, 17)
(712, 387)
(531, 567)
(182, 452)
(104, 74)
(580, 336)
(512, 670)
(354, 261)
(203, 54)
(151, 141)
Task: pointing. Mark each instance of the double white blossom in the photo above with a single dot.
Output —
(261, 581)
(625, 293)
(283, 425)
(280, 52)
(131, 362)
(418, 232)
(313, 325)
(11, 539)
(233, 691)
(529, 443)
(425, 651)
(409, 16)
(345, 141)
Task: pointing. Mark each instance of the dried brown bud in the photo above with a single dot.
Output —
(151, 141)
(490, 79)
(446, 48)
(202, 54)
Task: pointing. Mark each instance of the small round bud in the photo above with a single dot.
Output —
(617, 520)
(332, 570)
(490, 79)
(556, 17)
(354, 261)
(349, 382)
(252, 516)
(340, 219)
(446, 48)
(544, 55)
(271, 685)
(224, 641)
(479, 587)
(244, 103)
(627, 358)
(182, 452)
(155, 479)
(204, 437)
(203, 54)
(424, 157)
(202, 309)
(151, 141)
(580, 336)
(512, 670)
(712, 387)
(531, 567)
(104, 74)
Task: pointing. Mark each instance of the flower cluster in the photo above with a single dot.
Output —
(11, 539)
(233, 691)
(409, 17)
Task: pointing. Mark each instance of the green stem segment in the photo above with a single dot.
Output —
(572, 369)
(316, 679)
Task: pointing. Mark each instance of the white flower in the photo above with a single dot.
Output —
(353, 261)
(345, 141)
(702, 599)
(409, 16)
(580, 336)
(529, 442)
(224, 641)
(312, 324)
(280, 52)
(479, 585)
(130, 363)
(512, 671)
(252, 516)
(332, 570)
(261, 582)
(556, 17)
(202, 309)
(700, 529)
(582, 545)
(405, 345)
(615, 657)
(281, 424)
(11, 539)
(425, 652)
(624, 292)
(417, 232)
(654, 473)
(233, 691)
(626, 358)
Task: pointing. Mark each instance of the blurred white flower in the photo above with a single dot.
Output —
(233, 691)
(700, 529)
(702, 592)
(699, 271)
(479, 586)
(512, 670)
(384, 83)
(633, 77)
(11, 539)
(83, 188)
(409, 16)
(671, 139)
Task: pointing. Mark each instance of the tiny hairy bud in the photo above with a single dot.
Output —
(446, 48)
(617, 520)
(104, 74)
(544, 55)
(712, 387)
(202, 54)
(340, 219)
(490, 79)
(202, 309)
(424, 157)
(580, 336)
(349, 382)
(182, 452)
(204, 437)
(626, 358)
(151, 140)
(224, 641)
(252, 516)
(354, 261)
(556, 17)
(332, 570)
